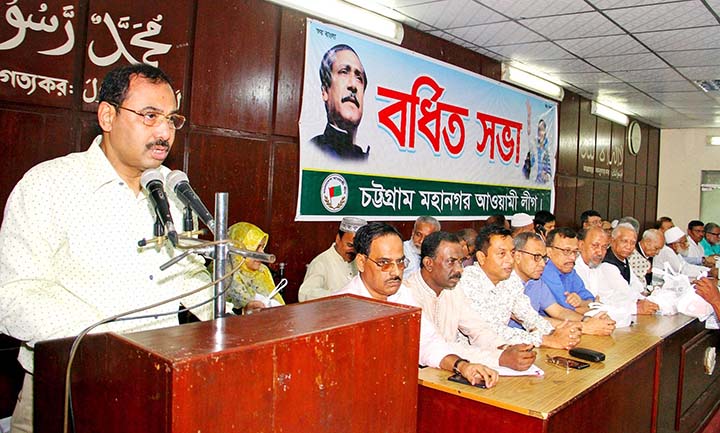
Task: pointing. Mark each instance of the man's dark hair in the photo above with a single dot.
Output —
(371, 231)
(587, 214)
(467, 235)
(328, 61)
(543, 217)
(482, 242)
(522, 239)
(662, 220)
(498, 220)
(563, 232)
(114, 87)
(695, 223)
(432, 242)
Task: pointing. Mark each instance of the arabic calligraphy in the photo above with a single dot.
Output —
(153, 28)
(15, 18)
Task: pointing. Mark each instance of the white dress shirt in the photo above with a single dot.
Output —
(326, 274)
(592, 277)
(412, 253)
(496, 304)
(450, 312)
(69, 254)
(433, 347)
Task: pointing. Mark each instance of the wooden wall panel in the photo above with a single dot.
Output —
(641, 169)
(584, 197)
(586, 149)
(569, 119)
(600, 197)
(628, 200)
(291, 56)
(30, 138)
(617, 152)
(653, 163)
(565, 190)
(650, 206)
(602, 149)
(629, 165)
(615, 201)
(234, 55)
(237, 166)
(639, 212)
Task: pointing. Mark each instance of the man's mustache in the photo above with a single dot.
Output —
(351, 98)
(458, 275)
(159, 142)
(390, 280)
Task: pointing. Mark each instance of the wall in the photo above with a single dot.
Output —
(679, 188)
(239, 65)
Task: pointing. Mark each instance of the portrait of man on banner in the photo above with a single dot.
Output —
(343, 84)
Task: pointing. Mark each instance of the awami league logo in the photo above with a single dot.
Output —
(334, 192)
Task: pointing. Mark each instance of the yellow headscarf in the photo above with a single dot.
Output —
(248, 282)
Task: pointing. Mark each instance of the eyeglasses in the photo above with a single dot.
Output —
(536, 257)
(714, 234)
(558, 361)
(567, 253)
(386, 265)
(151, 118)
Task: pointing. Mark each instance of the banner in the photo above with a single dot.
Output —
(386, 133)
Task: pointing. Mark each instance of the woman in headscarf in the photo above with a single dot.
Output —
(253, 282)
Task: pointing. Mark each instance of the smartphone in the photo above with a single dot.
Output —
(561, 361)
(457, 377)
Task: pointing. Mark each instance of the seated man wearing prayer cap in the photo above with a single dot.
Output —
(335, 267)
(675, 244)
(522, 223)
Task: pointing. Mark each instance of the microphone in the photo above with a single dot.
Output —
(152, 181)
(178, 181)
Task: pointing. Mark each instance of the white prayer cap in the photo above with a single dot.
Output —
(351, 224)
(521, 220)
(673, 235)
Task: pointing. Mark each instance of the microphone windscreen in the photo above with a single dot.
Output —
(174, 178)
(150, 175)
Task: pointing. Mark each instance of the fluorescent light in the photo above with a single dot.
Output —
(713, 140)
(532, 82)
(608, 113)
(349, 16)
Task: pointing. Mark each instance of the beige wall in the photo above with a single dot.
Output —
(683, 156)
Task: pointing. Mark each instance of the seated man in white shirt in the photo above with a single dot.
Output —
(696, 253)
(622, 287)
(381, 261)
(497, 296)
(335, 267)
(449, 310)
(676, 243)
(424, 226)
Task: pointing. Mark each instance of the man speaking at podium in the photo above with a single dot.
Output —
(69, 253)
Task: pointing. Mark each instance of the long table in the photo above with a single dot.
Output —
(651, 380)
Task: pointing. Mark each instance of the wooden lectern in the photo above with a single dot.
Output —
(342, 364)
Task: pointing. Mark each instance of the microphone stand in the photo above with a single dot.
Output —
(221, 253)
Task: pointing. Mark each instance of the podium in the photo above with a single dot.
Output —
(341, 364)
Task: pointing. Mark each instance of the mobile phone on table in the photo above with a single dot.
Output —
(459, 378)
(562, 361)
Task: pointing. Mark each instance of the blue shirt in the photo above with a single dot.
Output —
(710, 250)
(559, 283)
(540, 299)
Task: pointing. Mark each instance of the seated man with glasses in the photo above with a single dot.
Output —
(559, 275)
(381, 261)
(711, 242)
(622, 285)
(497, 295)
(530, 260)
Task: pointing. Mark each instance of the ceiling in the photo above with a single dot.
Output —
(641, 57)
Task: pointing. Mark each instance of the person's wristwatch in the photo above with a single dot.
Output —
(457, 363)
